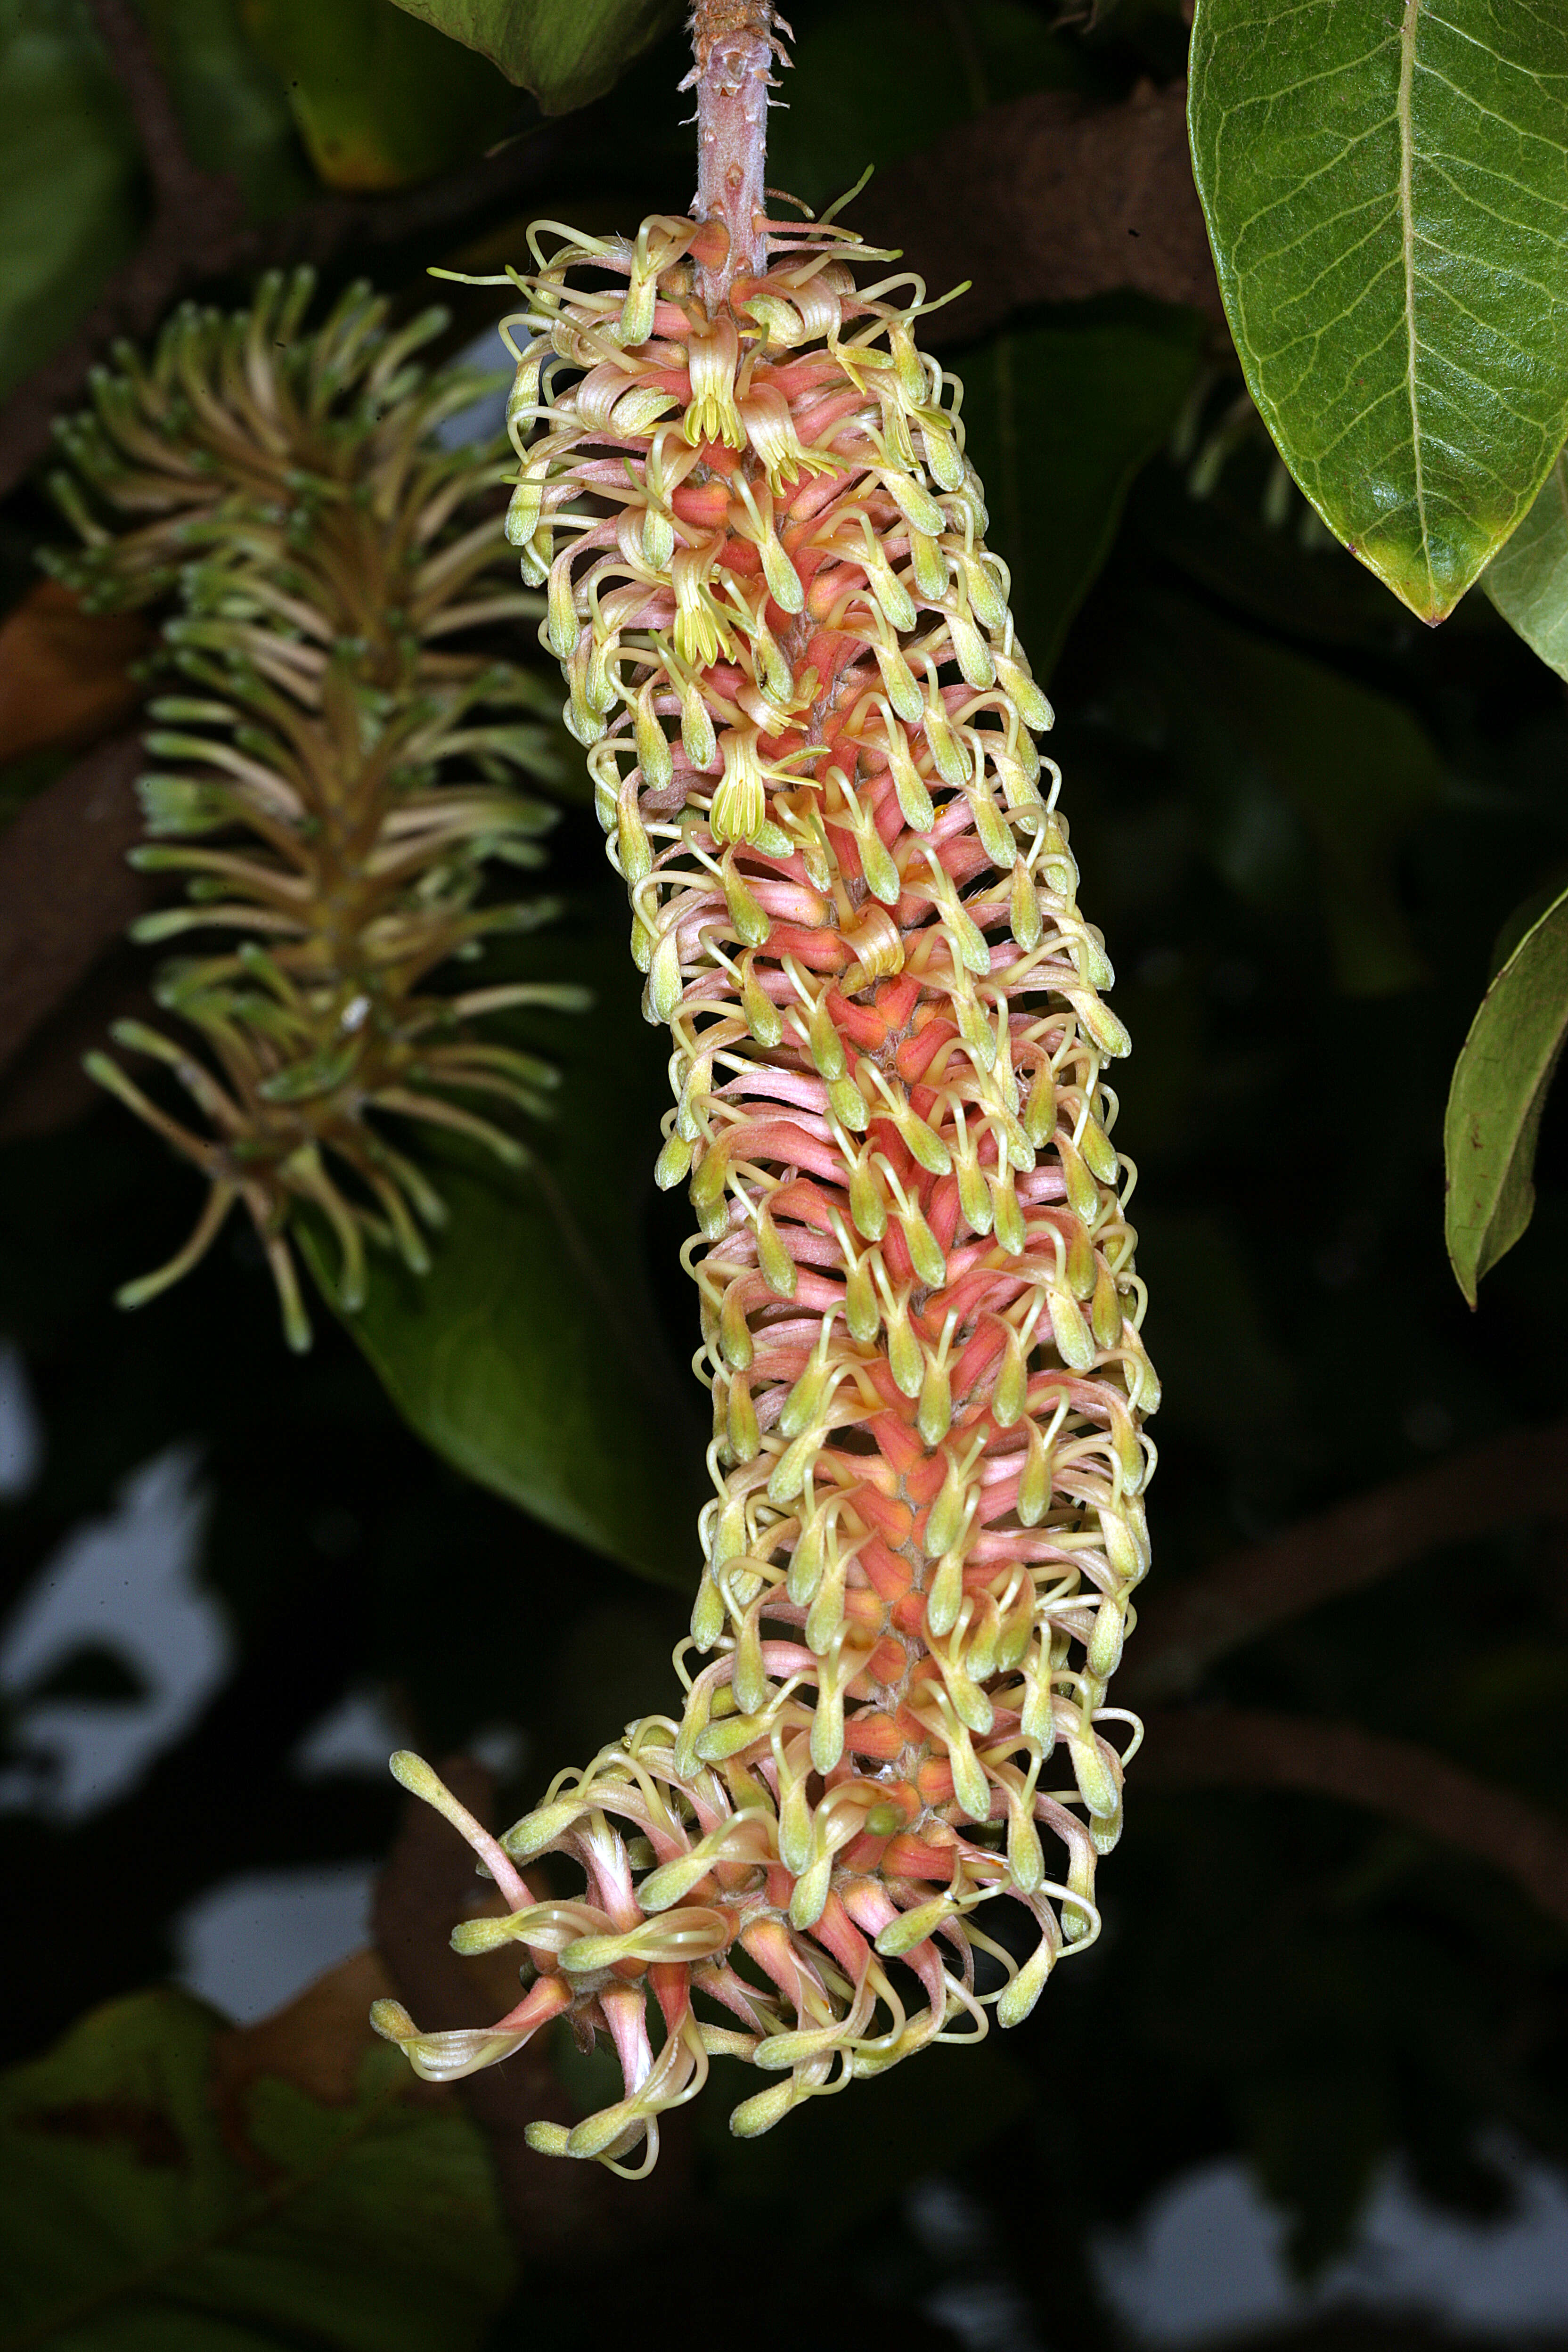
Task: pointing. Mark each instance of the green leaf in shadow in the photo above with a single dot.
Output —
(565, 51)
(146, 2212)
(524, 1358)
(1387, 200)
(877, 79)
(69, 190)
(233, 109)
(380, 100)
(1498, 1092)
(531, 1355)
(1280, 745)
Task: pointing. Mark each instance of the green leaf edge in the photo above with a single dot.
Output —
(1439, 612)
(472, 1461)
(1503, 1207)
(507, 44)
(1519, 607)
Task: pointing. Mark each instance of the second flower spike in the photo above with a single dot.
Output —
(336, 775)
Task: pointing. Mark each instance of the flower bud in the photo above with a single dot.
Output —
(861, 1312)
(866, 1204)
(912, 1927)
(1020, 1996)
(777, 1264)
(1095, 1785)
(740, 1421)
(1034, 1486)
(760, 2113)
(934, 1407)
(762, 1016)
(924, 1252)
(1011, 1394)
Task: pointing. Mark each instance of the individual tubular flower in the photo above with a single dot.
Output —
(334, 778)
(810, 728)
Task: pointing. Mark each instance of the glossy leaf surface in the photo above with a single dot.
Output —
(565, 51)
(152, 2207)
(1387, 195)
(1498, 1092)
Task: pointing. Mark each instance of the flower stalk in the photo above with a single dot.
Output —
(811, 731)
(735, 47)
(336, 778)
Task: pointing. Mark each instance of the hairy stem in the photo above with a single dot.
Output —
(734, 44)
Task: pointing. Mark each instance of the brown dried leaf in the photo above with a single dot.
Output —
(65, 675)
(316, 2040)
(65, 892)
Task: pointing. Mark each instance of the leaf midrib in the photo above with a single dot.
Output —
(1404, 110)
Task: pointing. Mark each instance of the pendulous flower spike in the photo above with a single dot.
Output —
(920, 1318)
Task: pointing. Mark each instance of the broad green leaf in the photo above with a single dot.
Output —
(525, 1358)
(150, 2208)
(1527, 580)
(380, 100)
(69, 191)
(530, 1355)
(1498, 1092)
(1386, 190)
(565, 51)
(1059, 415)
